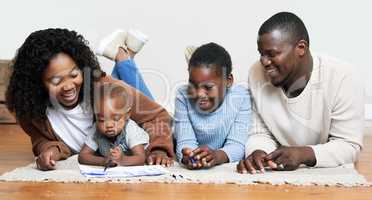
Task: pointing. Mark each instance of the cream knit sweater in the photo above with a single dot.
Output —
(327, 115)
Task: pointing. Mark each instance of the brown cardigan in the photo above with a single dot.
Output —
(153, 118)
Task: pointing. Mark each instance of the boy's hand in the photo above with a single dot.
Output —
(47, 159)
(116, 155)
(110, 163)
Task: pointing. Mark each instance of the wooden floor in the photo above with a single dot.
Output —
(15, 151)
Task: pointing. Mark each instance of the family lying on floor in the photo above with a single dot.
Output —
(300, 108)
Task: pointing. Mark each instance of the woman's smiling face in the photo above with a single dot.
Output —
(63, 79)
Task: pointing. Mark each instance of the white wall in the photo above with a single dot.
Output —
(338, 28)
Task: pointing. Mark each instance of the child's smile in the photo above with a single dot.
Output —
(206, 88)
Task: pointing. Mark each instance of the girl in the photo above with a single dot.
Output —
(212, 116)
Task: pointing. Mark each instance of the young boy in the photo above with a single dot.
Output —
(117, 140)
(212, 117)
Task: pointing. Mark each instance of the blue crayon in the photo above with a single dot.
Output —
(193, 161)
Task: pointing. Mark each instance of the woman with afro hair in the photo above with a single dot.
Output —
(51, 92)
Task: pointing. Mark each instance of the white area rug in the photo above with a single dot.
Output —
(68, 171)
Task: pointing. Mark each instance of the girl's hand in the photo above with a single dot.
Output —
(189, 161)
(204, 156)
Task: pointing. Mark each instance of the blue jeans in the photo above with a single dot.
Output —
(127, 71)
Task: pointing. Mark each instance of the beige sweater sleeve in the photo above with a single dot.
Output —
(43, 137)
(260, 137)
(346, 129)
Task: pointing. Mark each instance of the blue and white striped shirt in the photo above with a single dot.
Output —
(225, 129)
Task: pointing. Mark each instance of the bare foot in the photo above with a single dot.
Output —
(131, 53)
(124, 54)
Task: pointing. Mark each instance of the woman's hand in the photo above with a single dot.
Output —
(159, 157)
(47, 159)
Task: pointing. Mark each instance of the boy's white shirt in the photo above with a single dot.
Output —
(135, 135)
(328, 115)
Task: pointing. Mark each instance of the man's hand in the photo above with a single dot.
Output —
(255, 162)
(159, 157)
(47, 159)
(290, 158)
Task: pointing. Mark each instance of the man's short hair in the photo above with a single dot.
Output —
(286, 22)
